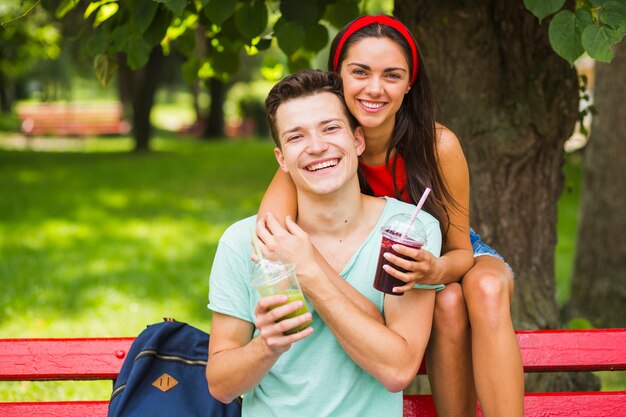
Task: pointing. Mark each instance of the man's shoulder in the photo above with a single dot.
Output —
(239, 232)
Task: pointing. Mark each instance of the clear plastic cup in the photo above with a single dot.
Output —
(397, 231)
(275, 277)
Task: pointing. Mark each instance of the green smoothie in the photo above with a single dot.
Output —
(294, 295)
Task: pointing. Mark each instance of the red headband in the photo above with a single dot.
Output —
(381, 20)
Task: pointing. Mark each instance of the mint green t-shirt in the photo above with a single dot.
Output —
(315, 377)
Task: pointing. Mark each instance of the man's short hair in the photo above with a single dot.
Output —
(302, 84)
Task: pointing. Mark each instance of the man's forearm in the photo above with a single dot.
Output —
(384, 351)
(233, 372)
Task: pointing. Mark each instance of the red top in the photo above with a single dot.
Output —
(380, 178)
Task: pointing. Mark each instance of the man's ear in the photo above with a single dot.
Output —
(281, 160)
(359, 138)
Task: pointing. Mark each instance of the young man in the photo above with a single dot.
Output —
(350, 362)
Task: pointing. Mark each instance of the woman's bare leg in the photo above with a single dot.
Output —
(449, 356)
(496, 358)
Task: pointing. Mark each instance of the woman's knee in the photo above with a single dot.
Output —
(487, 288)
(450, 308)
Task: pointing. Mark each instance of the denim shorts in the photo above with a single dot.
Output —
(480, 248)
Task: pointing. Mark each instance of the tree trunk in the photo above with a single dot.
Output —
(513, 102)
(142, 85)
(214, 126)
(125, 85)
(599, 281)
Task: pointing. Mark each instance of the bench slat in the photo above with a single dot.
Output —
(544, 350)
(58, 359)
(55, 409)
(556, 404)
(573, 350)
(577, 404)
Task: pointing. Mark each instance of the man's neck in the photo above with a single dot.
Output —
(330, 215)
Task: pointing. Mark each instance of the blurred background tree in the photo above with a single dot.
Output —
(29, 49)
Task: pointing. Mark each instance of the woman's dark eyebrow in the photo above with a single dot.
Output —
(367, 67)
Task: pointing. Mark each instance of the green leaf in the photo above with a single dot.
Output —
(614, 13)
(315, 37)
(597, 42)
(304, 12)
(263, 43)
(65, 7)
(97, 43)
(137, 52)
(190, 69)
(104, 12)
(158, 27)
(583, 19)
(92, 7)
(543, 8)
(251, 19)
(598, 2)
(217, 11)
(299, 64)
(564, 36)
(225, 63)
(177, 6)
(186, 43)
(341, 12)
(290, 36)
(142, 14)
(119, 38)
(104, 68)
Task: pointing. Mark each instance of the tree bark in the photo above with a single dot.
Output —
(214, 125)
(5, 101)
(599, 279)
(513, 102)
(141, 85)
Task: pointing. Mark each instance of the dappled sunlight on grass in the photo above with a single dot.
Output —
(102, 244)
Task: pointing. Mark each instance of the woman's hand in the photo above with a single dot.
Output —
(421, 268)
(290, 243)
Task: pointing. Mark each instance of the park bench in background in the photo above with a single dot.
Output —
(542, 351)
(72, 119)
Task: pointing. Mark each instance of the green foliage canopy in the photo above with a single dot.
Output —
(592, 27)
(25, 42)
(210, 33)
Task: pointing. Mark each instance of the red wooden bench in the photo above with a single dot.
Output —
(72, 119)
(542, 351)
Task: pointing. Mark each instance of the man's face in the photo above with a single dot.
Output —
(319, 149)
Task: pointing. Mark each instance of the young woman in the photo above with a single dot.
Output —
(473, 353)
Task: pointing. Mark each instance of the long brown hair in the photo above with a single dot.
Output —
(414, 134)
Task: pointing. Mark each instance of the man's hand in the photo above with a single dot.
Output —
(271, 309)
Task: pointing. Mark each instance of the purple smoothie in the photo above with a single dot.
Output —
(383, 281)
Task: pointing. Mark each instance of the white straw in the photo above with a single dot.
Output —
(416, 212)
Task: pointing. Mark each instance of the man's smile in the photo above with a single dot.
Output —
(317, 166)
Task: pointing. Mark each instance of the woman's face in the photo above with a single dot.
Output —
(375, 75)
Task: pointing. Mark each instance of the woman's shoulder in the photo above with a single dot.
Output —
(449, 148)
(447, 140)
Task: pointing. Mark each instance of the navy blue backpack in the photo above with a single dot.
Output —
(164, 376)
